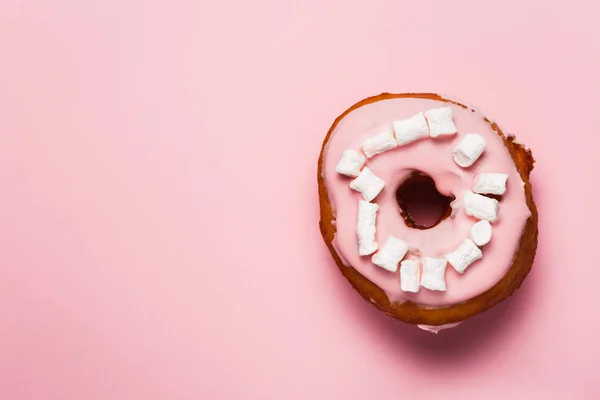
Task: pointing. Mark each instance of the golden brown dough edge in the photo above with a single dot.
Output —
(414, 313)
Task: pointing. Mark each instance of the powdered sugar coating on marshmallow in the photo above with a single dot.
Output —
(481, 207)
(469, 149)
(351, 163)
(481, 233)
(411, 129)
(366, 228)
(378, 144)
(433, 277)
(465, 255)
(490, 183)
(409, 276)
(392, 252)
(368, 184)
(440, 122)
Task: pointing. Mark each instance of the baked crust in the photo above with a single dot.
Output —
(414, 313)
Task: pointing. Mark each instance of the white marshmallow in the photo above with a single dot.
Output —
(365, 227)
(481, 207)
(378, 144)
(391, 253)
(440, 121)
(368, 184)
(490, 183)
(433, 274)
(469, 149)
(455, 206)
(481, 233)
(464, 256)
(411, 129)
(351, 163)
(409, 276)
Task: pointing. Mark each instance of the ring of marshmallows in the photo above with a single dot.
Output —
(426, 272)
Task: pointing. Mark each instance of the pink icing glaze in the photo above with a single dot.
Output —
(437, 328)
(434, 157)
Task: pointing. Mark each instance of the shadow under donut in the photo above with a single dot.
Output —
(454, 347)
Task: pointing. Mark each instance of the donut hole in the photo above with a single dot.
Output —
(421, 205)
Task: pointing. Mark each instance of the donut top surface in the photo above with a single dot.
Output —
(432, 156)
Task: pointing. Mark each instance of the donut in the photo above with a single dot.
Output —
(426, 207)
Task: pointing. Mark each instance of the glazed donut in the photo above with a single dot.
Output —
(390, 155)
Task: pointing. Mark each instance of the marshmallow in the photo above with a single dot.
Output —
(440, 121)
(365, 227)
(378, 144)
(481, 207)
(433, 274)
(351, 163)
(481, 233)
(490, 183)
(469, 149)
(368, 184)
(409, 276)
(464, 256)
(411, 129)
(455, 206)
(391, 253)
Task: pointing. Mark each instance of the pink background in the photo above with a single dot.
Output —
(158, 219)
